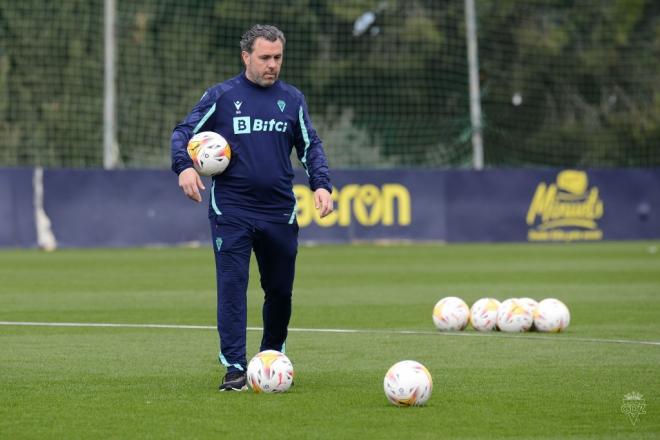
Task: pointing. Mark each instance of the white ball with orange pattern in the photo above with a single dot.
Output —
(451, 314)
(210, 153)
(552, 315)
(270, 371)
(408, 383)
(483, 314)
(514, 316)
(530, 304)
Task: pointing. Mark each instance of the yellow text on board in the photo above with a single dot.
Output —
(369, 205)
(567, 210)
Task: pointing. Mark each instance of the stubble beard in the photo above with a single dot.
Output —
(266, 82)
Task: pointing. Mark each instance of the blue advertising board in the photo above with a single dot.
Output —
(96, 208)
(121, 208)
(376, 205)
(489, 206)
(17, 220)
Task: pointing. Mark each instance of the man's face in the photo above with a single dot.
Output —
(263, 65)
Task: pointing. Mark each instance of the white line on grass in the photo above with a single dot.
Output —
(333, 330)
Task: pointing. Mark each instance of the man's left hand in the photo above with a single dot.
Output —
(323, 202)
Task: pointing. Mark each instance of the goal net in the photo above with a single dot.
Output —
(562, 83)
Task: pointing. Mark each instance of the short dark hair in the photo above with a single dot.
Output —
(269, 32)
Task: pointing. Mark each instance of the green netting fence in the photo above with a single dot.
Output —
(562, 83)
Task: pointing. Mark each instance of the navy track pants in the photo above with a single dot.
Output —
(275, 246)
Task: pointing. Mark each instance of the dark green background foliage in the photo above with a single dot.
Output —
(586, 74)
(590, 73)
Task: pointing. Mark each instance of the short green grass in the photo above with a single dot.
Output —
(125, 383)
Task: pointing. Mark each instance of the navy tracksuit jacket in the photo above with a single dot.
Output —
(252, 205)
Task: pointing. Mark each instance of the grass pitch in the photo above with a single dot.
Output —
(136, 382)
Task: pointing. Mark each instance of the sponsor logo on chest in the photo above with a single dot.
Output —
(247, 124)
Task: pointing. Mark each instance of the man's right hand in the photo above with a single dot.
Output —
(191, 183)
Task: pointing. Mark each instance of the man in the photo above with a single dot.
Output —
(252, 205)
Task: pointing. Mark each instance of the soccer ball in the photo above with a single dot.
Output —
(451, 313)
(552, 315)
(270, 371)
(530, 304)
(408, 383)
(483, 314)
(514, 316)
(209, 152)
